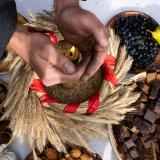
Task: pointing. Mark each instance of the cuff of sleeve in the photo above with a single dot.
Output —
(8, 19)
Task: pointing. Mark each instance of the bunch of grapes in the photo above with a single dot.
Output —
(134, 33)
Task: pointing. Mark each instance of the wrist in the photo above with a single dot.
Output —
(19, 42)
(61, 5)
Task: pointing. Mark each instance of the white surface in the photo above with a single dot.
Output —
(104, 9)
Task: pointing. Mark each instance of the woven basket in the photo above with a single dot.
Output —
(136, 78)
(114, 144)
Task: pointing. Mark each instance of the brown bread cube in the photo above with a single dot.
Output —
(157, 108)
(133, 152)
(144, 98)
(122, 148)
(150, 116)
(129, 143)
(151, 76)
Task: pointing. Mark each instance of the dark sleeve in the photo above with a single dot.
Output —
(8, 22)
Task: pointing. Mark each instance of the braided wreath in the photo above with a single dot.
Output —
(39, 119)
(89, 107)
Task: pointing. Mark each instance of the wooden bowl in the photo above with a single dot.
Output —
(112, 21)
(61, 155)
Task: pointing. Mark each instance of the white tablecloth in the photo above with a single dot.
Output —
(104, 9)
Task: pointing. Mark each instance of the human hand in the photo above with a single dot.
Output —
(37, 50)
(83, 29)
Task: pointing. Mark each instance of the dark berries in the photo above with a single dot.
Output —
(133, 32)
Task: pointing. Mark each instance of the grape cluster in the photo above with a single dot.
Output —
(133, 32)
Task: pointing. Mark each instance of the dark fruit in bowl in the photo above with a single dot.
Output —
(133, 30)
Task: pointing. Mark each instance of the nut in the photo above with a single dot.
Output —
(67, 155)
(75, 153)
(85, 157)
(51, 154)
(70, 158)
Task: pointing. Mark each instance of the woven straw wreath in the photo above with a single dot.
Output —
(39, 119)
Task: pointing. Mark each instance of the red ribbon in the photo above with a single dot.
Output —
(52, 37)
(109, 61)
(94, 103)
(71, 108)
(47, 99)
(109, 75)
(37, 86)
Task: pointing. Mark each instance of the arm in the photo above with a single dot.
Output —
(60, 5)
(8, 19)
(37, 50)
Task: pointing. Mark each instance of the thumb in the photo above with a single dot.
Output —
(59, 61)
(100, 36)
(64, 64)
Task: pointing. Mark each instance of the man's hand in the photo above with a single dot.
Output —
(37, 50)
(83, 29)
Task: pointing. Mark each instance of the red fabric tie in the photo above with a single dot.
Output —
(94, 103)
(71, 108)
(37, 86)
(109, 75)
(52, 37)
(109, 61)
(47, 99)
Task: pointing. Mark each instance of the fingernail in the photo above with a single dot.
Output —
(69, 68)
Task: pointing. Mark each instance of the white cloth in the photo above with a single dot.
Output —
(104, 9)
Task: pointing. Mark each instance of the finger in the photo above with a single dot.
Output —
(95, 63)
(87, 45)
(57, 59)
(81, 69)
(49, 74)
(96, 29)
(99, 34)
(82, 43)
(59, 77)
(78, 74)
